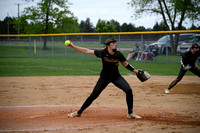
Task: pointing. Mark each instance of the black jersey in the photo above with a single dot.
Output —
(199, 51)
(189, 58)
(110, 62)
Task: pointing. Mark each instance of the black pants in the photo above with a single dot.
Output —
(120, 82)
(182, 72)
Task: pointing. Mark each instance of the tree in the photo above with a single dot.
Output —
(124, 27)
(128, 27)
(4, 25)
(7, 26)
(86, 26)
(67, 25)
(47, 16)
(117, 25)
(193, 27)
(173, 12)
(159, 26)
(20, 24)
(141, 28)
(105, 26)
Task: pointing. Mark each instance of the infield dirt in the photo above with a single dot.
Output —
(41, 104)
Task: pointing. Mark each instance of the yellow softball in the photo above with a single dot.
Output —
(67, 42)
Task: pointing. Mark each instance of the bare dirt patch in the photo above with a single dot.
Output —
(41, 104)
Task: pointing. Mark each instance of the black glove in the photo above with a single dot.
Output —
(143, 75)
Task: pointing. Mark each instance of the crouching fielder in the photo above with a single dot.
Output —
(109, 74)
(189, 62)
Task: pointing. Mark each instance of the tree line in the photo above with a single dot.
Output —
(54, 16)
(10, 26)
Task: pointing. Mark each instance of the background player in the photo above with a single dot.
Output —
(109, 74)
(189, 62)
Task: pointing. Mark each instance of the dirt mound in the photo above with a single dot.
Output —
(40, 118)
(21, 111)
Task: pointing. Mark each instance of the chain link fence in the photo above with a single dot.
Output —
(52, 46)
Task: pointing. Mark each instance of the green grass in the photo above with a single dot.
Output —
(15, 61)
(46, 67)
(14, 51)
(59, 67)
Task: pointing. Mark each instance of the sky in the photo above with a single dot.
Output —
(118, 10)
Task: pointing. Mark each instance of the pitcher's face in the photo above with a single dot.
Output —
(113, 45)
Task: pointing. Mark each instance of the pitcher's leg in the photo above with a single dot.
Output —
(196, 71)
(178, 79)
(121, 83)
(99, 87)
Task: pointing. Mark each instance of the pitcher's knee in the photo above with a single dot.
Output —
(129, 92)
(178, 80)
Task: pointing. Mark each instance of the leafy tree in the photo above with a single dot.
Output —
(156, 27)
(49, 16)
(66, 25)
(117, 24)
(128, 27)
(173, 12)
(159, 27)
(22, 23)
(4, 26)
(86, 26)
(104, 26)
(141, 28)
(124, 27)
(193, 27)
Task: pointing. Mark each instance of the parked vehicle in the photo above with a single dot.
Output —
(164, 42)
(186, 46)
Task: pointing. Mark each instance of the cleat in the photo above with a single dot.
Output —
(166, 91)
(74, 114)
(133, 116)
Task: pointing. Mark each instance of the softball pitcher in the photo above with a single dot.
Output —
(189, 62)
(109, 74)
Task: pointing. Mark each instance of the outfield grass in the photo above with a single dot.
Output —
(60, 67)
(15, 61)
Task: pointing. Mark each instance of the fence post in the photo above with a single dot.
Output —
(167, 49)
(81, 46)
(65, 49)
(30, 46)
(141, 56)
(99, 41)
(35, 47)
(41, 45)
(52, 47)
